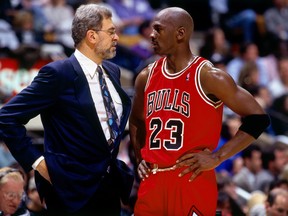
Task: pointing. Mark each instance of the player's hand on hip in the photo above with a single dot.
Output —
(196, 163)
(143, 170)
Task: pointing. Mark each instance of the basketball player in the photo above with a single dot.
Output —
(176, 121)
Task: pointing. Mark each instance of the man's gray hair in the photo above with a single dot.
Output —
(89, 16)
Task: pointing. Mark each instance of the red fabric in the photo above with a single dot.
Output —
(179, 119)
(166, 194)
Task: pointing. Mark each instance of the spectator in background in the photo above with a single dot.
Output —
(28, 52)
(8, 39)
(276, 24)
(263, 95)
(32, 28)
(227, 206)
(242, 21)
(12, 192)
(40, 22)
(279, 86)
(36, 9)
(6, 158)
(143, 48)
(277, 202)
(256, 204)
(282, 182)
(249, 76)
(245, 20)
(216, 44)
(279, 115)
(270, 59)
(283, 177)
(249, 52)
(233, 16)
(272, 205)
(8, 8)
(229, 202)
(132, 13)
(252, 176)
(59, 16)
(33, 202)
(229, 128)
(219, 61)
(24, 27)
(275, 158)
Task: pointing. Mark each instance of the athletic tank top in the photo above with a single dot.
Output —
(179, 117)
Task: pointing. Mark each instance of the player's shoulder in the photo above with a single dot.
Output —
(209, 69)
(212, 77)
(144, 73)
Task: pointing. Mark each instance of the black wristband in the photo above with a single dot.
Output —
(255, 124)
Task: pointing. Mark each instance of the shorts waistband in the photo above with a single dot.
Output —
(158, 168)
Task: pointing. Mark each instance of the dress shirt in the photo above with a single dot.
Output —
(89, 68)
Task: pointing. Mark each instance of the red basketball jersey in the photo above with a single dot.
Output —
(179, 116)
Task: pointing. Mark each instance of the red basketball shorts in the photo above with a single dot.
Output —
(166, 194)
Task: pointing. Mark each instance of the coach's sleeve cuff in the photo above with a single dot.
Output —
(35, 164)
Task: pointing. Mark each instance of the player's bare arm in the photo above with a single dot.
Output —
(218, 85)
(137, 123)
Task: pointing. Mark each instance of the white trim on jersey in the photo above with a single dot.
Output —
(168, 75)
(200, 89)
(150, 68)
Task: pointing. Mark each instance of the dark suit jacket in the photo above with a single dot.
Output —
(76, 150)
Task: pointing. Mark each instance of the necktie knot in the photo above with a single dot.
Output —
(99, 70)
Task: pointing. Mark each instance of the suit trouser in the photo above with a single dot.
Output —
(106, 202)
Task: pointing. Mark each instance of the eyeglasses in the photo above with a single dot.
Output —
(111, 32)
(12, 195)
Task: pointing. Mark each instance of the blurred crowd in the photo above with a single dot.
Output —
(247, 39)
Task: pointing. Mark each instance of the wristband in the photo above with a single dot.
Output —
(255, 124)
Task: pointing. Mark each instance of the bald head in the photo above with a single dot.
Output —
(277, 202)
(177, 17)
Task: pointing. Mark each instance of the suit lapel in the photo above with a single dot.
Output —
(84, 96)
(85, 100)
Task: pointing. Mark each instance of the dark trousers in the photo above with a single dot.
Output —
(105, 201)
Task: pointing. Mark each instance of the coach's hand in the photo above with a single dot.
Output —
(143, 170)
(43, 170)
(197, 162)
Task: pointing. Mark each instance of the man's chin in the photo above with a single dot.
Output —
(110, 55)
(157, 51)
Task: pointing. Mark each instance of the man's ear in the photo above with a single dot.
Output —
(181, 33)
(91, 36)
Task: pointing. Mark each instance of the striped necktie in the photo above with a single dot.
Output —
(112, 118)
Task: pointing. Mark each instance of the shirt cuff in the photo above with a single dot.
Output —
(35, 164)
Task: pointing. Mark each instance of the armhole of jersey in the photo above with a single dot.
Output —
(150, 69)
(199, 87)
